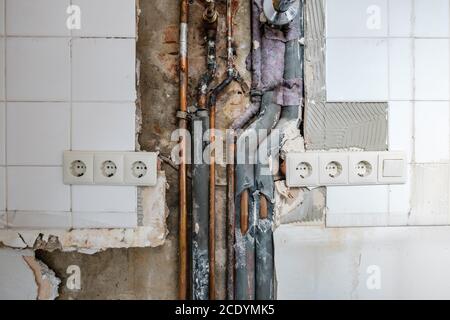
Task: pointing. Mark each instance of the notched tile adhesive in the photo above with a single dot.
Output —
(335, 125)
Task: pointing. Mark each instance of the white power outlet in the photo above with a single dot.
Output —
(110, 168)
(333, 168)
(78, 168)
(363, 168)
(345, 168)
(304, 168)
(141, 168)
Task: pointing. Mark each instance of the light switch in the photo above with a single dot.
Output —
(393, 168)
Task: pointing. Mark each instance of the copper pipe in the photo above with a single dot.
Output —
(212, 207)
(232, 75)
(231, 212)
(244, 212)
(183, 260)
(263, 207)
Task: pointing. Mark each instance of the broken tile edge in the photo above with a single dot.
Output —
(152, 234)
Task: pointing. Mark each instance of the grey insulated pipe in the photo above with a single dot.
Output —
(277, 70)
(200, 264)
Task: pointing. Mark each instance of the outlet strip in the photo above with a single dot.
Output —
(313, 169)
(110, 168)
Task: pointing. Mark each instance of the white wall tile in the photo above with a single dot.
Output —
(400, 199)
(400, 18)
(107, 18)
(104, 70)
(38, 69)
(380, 219)
(431, 131)
(401, 127)
(2, 189)
(2, 17)
(37, 189)
(104, 220)
(2, 69)
(430, 195)
(2, 133)
(357, 199)
(357, 70)
(103, 126)
(432, 69)
(355, 206)
(37, 17)
(431, 18)
(39, 220)
(357, 18)
(401, 66)
(323, 263)
(104, 199)
(38, 132)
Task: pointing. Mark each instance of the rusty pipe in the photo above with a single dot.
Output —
(183, 88)
(231, 212)
(210, 14)
(200, 256)
(232, 75)
(212, 207)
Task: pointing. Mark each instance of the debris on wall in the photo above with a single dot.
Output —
(299, 205)
(152, 233)
(45, 278)
(23, 277)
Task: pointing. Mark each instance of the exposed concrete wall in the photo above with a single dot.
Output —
(362, 263)
(152, 273)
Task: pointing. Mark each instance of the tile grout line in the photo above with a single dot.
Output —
(448, 107)
(71, 115)
(388, 9)
(413, 105)
(5, 87)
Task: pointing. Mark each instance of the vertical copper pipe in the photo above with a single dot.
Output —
(244, 212)
(183, 260)
(212, 207)
(231, 212)
(232, 74)
(263, 207)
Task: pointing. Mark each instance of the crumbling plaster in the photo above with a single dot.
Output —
(130, 269)
(151, 273)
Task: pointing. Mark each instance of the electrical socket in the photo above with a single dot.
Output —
(78, 168)
(303, 170)
(141, 168)
(108, 168)
(333, 168)
(363, 168)
(312, 169)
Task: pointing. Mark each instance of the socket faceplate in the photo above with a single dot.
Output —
(110, 168)
(313, 169)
